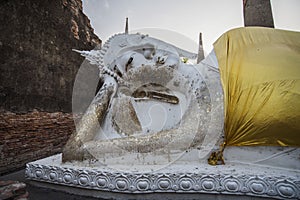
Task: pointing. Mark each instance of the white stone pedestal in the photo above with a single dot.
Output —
(257, 179)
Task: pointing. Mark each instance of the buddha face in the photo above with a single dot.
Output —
(153, 95)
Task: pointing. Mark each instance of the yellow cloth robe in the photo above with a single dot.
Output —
(260, 75)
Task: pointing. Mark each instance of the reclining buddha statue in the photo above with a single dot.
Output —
(158, 122)
(155, 105)
(151, 102)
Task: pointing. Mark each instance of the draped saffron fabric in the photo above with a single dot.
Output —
(260, 74)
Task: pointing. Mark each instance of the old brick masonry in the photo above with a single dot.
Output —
(31, 136)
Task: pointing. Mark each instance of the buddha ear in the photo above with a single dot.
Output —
(117, 71)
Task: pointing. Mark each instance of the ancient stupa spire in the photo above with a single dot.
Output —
(258, 13)
(126, 26)
(200, 49)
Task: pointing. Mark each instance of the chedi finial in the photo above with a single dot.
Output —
(126, 26)
(200, 49)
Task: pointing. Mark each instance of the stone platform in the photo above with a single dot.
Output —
(235, 179)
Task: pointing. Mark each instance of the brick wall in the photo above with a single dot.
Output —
(37, 64)
(31, 136)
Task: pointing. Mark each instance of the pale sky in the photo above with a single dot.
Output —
(188, 18)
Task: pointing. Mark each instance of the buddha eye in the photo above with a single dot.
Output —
(128, 63)
(129, 60)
